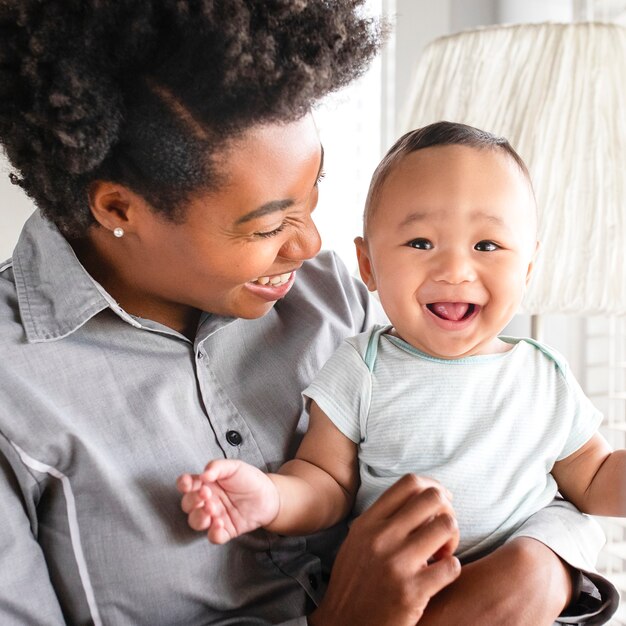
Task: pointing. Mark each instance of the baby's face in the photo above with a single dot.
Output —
(450, 246)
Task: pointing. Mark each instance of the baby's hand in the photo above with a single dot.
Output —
(228, 499)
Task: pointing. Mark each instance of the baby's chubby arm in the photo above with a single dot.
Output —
(594, 478)
(311, 492)
(318, 487)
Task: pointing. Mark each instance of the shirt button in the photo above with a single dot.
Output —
(234, 438)
(313, 581)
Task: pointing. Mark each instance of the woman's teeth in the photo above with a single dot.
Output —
(273, 280)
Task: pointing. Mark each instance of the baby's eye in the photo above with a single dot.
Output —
(420, 244)
(486, 246)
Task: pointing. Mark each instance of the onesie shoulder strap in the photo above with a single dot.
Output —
(372, 346)
(551, 353)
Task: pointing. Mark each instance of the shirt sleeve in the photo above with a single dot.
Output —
(26, 594)
(342, 390)
(573, 410)
(585, 417)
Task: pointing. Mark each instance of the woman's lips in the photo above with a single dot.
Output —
(264, 289)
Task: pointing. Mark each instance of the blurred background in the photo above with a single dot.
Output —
(357, 127)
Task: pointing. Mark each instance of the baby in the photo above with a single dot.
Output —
(449, 243)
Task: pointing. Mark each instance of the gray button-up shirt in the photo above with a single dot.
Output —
(101, 411)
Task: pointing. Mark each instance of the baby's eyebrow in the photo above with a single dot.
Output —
(488, 217)
(411, 218)
(492, 219)
(420, 216)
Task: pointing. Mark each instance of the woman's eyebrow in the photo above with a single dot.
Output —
(276, 205)
(264, 209)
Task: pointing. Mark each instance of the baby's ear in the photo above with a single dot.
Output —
(365, 265)
(531, 265)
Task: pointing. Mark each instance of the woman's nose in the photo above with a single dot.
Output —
(304, 244)
(454, 268)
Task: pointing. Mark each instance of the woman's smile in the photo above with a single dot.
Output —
(271, 288)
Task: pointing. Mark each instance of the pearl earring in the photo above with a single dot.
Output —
(118, 232)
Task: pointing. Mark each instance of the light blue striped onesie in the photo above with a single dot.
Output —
(487, 427)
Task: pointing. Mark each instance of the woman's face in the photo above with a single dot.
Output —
(239, 247)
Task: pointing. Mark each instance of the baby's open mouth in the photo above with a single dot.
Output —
(453, 311)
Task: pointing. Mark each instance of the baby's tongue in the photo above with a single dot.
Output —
(450, 310)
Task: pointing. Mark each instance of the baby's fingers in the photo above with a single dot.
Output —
(191, 501)
(220, 469)
(188, 482)
(199, 519)
(217, 533)
(184, 482)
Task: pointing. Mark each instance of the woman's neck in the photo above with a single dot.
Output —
(117, 278)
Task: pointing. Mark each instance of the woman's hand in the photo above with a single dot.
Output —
(228, 499)
(522, 582)
(396, 557)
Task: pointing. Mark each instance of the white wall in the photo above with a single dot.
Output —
(350, 131)
(515, 12)
(15, 207)
(418, 22)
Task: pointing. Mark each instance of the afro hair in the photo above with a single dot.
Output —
(146, 92)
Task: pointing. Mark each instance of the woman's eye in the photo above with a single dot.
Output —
(320, 177)
(271, 233)
(486, 246)
(420, 244)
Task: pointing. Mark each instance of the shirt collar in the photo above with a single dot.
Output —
(56, 295)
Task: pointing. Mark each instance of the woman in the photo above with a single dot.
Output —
(164, 307)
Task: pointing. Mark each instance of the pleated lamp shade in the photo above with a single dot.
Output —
(557, 92)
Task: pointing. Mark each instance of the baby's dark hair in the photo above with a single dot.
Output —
(437, 134)
(146, 92)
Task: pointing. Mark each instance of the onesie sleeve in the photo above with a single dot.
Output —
(342, 390)
(585, 417)
(573, 410)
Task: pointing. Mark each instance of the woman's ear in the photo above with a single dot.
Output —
(111, 205)
(365, 264)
